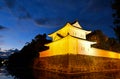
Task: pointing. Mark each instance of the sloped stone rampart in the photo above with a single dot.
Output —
(76, 64)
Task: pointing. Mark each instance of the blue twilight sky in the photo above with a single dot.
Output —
(22, 20)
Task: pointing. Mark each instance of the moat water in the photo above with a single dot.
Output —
(36, 74)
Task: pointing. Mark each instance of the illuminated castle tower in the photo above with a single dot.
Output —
(71, 39)
(70, 52)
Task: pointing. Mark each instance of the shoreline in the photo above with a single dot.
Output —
(77, 73)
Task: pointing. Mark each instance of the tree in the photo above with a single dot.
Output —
(1, 62)
(23, 60)
(103, 42)
(116, 16)
(99, 37)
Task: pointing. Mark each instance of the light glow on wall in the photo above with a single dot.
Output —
(104, 53)
(67, 45)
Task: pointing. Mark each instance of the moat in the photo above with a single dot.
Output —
(37, 74)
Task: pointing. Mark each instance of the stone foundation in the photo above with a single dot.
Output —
(75, 64)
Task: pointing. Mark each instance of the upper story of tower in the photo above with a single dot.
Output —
(74, 30)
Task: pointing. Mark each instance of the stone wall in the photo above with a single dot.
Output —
(76, 64)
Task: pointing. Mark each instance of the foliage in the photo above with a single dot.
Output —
(1, 62)
(116, 16)
(103, 42)
(24, 58)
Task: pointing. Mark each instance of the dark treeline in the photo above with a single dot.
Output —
(103, 42)
(22, 61)
(1, 62)
(116, 16)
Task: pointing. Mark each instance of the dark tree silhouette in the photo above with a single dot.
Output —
(116, 16)
(103, 42)
(23, 60)
(1, 62)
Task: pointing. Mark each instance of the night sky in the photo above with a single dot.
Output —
(22, 20)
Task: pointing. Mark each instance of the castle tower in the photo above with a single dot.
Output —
(70, 52)
(74, 30)
(71, 39)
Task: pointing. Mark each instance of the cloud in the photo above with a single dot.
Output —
(2, 27)
(10, 3)
(23, 13)
(49, 21)
(1, 7)
(41, 21)
(1, 42)
(92, 12)
(99, 5)
(17, 10)
(1, 36)
(97, 13)
(60, 11)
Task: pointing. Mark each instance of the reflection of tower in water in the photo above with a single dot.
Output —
(50, 75)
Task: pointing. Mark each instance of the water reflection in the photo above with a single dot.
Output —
(20, 73)
(49, 75)
(4, 74)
